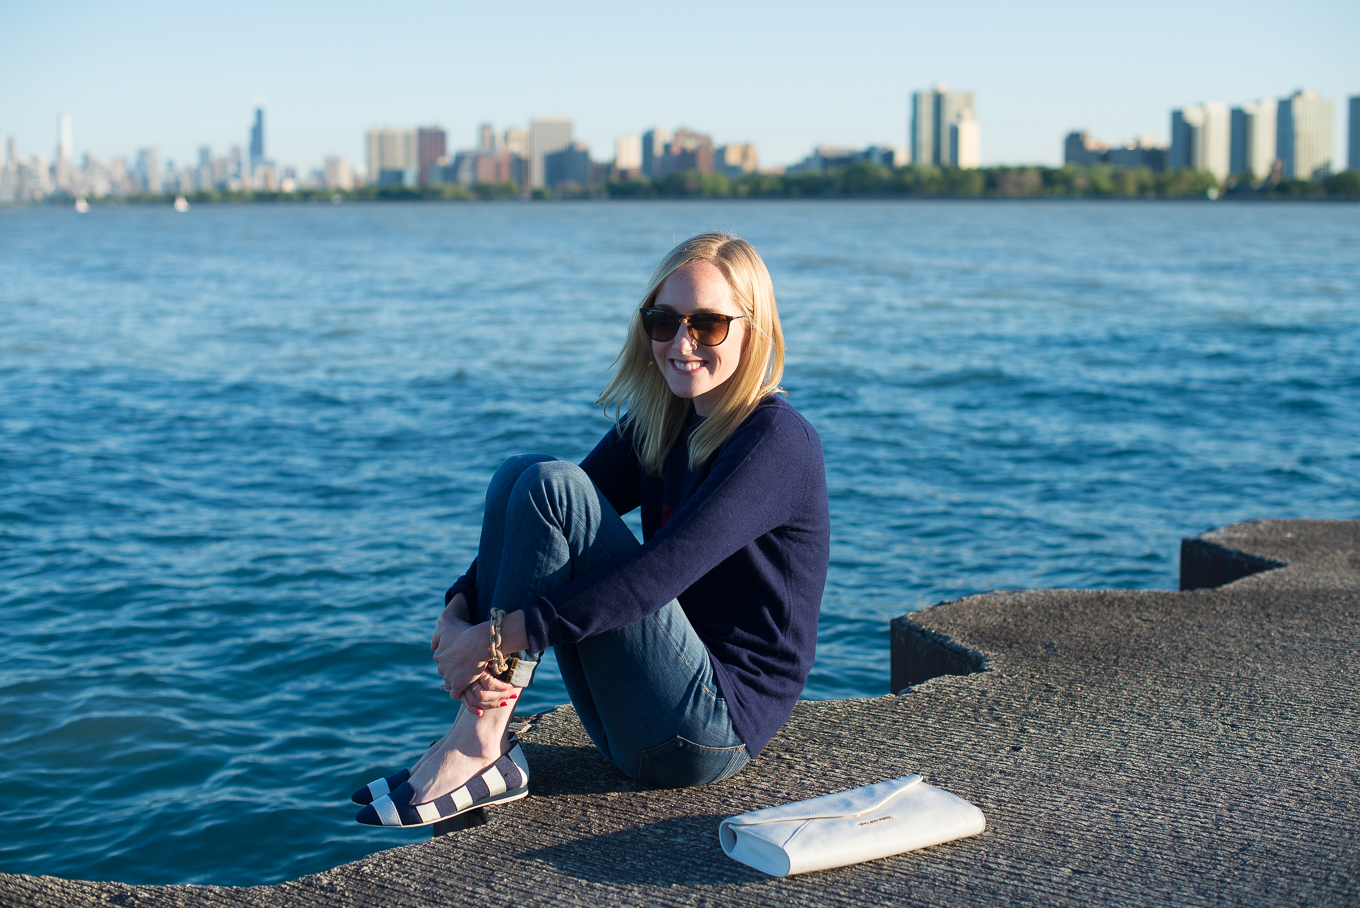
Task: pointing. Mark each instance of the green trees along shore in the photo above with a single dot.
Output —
(856, 181)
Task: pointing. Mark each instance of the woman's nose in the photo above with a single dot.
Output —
(684, 339)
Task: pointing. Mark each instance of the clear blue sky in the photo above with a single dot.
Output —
(784, 75)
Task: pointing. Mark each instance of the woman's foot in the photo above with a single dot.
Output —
(434, 749)
(471, 745)
(505, 780)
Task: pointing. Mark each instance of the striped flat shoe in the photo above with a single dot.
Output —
(505, 780)
(379, 787)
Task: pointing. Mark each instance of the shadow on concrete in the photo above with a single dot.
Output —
(681, 851)
(574, 770)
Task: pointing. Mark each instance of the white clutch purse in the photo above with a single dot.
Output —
(862, 824)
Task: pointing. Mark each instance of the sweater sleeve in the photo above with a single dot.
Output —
(757, 480)
(613, 467)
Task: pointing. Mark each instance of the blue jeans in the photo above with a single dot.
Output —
(645, 692)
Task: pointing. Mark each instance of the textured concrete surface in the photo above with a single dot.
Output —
(1130, 748)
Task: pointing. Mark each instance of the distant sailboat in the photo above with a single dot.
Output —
(181, 203)
(82, 206)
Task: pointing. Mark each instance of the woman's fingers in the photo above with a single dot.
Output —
(457, 658)
(492, 683)
(488, 693)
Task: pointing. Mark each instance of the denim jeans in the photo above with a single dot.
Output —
(644, 692)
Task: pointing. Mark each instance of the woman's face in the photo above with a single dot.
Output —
(692, 370)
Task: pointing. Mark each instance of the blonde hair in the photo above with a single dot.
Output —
(637, 392)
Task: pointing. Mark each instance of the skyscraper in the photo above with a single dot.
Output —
(1353, 136)
(1253, 139)
(933, 114)
(149, 170)
(965, 141)
(654, 142)
(257, 140)
(431, 149)
(628, 153)
(515, 141)
(1200, 138)
(1303, 135)
(64, 152)
(392, 149)
(920, 135)
(546, 135)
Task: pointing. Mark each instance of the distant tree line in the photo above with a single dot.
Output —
(877, 181)
(1100, 181)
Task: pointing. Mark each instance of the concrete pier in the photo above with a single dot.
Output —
(1133, 748)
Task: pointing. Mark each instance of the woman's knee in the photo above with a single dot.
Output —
(509, 472)
(553, 479)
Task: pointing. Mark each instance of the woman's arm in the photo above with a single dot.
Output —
(755, 484)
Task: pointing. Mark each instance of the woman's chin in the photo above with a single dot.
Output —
(686, 388)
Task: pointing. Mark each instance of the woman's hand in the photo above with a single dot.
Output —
(461, 652)
(488, 692)
(461, 649)
(454, 615)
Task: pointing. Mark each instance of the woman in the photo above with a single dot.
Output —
(683, 655)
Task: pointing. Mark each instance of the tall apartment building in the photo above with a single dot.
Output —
(688, 150)
(736, 159)
(257, 140)
(392, 149)
(546, 135)
(654, 142)
(965, 141)
(515, 142)
(1353, 135)
(567, 165)
(337, 173)
(933, 115)
(431, 149)
(1252, 147)
(628, 153)
(1303, 135)
(1201, 138)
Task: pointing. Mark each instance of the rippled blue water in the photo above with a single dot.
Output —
(242, 452)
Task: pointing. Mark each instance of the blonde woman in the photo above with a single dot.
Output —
(685, 653)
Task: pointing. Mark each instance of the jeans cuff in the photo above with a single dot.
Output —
(524, 671)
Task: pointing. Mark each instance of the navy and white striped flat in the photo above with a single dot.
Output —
(379, 787)
(505, 780)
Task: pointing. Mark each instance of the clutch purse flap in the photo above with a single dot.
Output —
(862, 824)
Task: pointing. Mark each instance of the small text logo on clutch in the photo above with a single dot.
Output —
(871, 822)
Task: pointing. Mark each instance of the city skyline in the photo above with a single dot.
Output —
(1267, 140)
(792, 79)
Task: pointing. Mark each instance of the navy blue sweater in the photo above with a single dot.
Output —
(743, 543)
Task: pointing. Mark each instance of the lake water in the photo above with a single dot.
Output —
(242, 452)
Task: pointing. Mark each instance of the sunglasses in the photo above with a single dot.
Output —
(708, 329)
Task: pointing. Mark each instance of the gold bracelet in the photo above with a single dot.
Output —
(497, 660)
